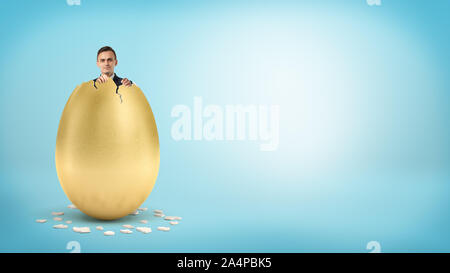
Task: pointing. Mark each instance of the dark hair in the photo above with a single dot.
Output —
(106, 48)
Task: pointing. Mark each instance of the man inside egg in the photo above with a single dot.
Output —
(106, 61)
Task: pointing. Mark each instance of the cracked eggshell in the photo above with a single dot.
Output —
(107, 149)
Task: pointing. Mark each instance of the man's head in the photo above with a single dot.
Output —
(106, 60)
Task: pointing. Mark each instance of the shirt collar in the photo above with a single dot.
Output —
(112, 77)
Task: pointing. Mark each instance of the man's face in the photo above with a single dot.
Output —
(106, 62)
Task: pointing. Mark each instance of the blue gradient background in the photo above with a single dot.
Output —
(364, 122)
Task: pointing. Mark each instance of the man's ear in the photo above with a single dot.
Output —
(98, 64)
(116, 63)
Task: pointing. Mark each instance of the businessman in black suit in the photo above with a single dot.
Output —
(106, 61)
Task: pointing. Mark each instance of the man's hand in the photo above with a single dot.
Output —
(126, 82)
(102, 79)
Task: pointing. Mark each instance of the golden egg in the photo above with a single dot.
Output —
(107, 149)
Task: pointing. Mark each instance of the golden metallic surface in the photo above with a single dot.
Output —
(107, 151)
